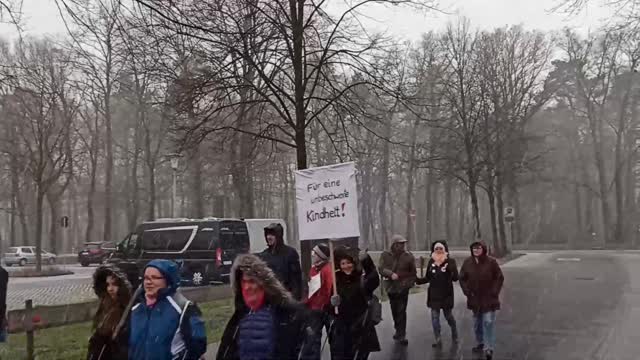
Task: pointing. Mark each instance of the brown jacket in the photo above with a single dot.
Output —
(481, 281)
(404, 265)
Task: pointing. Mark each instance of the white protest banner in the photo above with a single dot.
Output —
(327, 202)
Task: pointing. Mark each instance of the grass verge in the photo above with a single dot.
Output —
(70, 342)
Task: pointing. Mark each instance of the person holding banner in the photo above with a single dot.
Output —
(398, 268)
(354, 334)
(283, 260)
(319, 300)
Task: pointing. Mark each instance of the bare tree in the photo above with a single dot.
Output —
(44, 134)
(305, 43)
(96, 43)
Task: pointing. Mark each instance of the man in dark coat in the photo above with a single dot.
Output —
(481, 280)
(283, 260)
(267, 323)
(398, 268)
(442, 271)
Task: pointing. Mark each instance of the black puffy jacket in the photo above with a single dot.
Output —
(440, 293)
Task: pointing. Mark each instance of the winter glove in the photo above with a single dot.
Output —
(335, 300)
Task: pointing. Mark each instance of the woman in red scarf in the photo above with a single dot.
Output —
(267, 324)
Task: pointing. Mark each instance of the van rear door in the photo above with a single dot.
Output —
(234, 240)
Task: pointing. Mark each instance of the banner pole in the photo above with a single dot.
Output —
(333, 271)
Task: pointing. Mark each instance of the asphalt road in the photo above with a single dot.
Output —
(565, 305)
(54, 290)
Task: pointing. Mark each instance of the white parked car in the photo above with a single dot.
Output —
(23, 255)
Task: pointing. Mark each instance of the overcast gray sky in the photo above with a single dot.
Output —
(41, 17)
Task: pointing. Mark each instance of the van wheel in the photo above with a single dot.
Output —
(23, 262)
(199, 278)
(52, 261)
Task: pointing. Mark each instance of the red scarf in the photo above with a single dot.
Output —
(254, 299)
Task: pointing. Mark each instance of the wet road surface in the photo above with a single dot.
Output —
(555, 306)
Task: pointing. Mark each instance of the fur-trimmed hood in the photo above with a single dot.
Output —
(100, 282)
(254, 267)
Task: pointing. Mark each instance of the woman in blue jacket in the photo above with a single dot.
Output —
(165, 325)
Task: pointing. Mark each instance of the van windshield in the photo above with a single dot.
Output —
(167, 239)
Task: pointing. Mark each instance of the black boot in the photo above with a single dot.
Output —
(489, 354)
(437, 343)
(478, 348)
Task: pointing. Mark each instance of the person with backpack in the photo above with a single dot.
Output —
(442, 271)
(354, 334)
(164, 324)
(267, 324)
(114, 293)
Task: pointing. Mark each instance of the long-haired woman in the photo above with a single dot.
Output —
(114, 292)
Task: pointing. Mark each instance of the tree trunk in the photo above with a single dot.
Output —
(15, 193)
(497, 249)
(392, 214)
(108, 191)
(504, 243)
(22, 216)
(596, 131)
(298, 62)
(197, 192)
(588, 205)
(92, 190)
(429, 221)
(475, 211)
(151, 173)
(448, 202)
(578, 204)
(630, 174)
(135, 185)
(410, 180)
(53, 201)
(39, 224)
(462, 216)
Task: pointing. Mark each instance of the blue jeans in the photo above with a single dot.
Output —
(435, 322)
(484, 326)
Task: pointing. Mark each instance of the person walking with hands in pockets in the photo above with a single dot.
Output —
(398, 268)
(481, 281)
(442, 271)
